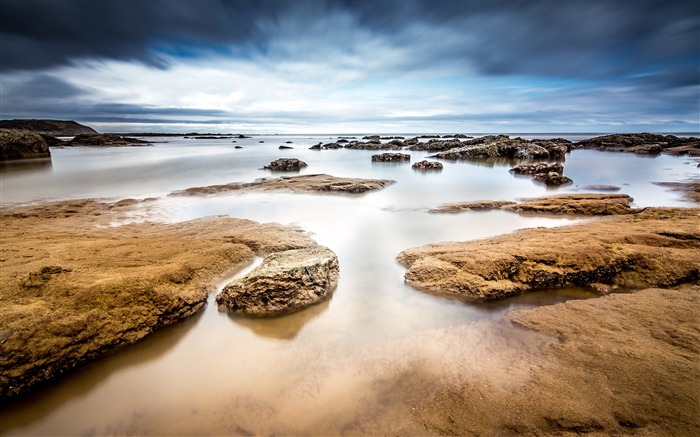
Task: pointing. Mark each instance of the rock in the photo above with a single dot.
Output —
(315, 147)
(285, 147)
(566, 204)
(502, 146)
(288, 142)
(304, 184)
(481, 205)
(601, 187)
(285, 164)
(552, 179)
(241, 136)
(22, 144)
(52, 141)
(391, 157)
(371, 145)
(657, 247)
(238, 147)
(532, 169)
(105, 140)
(689, 189)
(435, 145)
(643, 143)
(576, 204)
(261, 141)
(427, 165)
(550, 174)
(371, 137)
(94, 288)
(333, 146)
(285, 282)
(342, 141)
(54, 128)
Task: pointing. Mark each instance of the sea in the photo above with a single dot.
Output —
(330, 369)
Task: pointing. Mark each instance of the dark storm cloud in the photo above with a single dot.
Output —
(573, 38)
(43, 33)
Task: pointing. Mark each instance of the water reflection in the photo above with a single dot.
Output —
(25, 165)
(285, 327)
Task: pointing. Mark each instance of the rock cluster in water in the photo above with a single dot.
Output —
(286, 164)
(391, 157)
(285, 282)
(104, 140)
(643, 143)
(550, 174)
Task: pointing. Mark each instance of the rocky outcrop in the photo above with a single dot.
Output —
(654, 248)
(549, 174)
(285, 147)
(105, 140)
(502, 146)
(371, 145)
(427, 165)
(285, 282)
(391, 157)
(643, 143)
(435, 145)
(22, 144)
(314, 183)
(76, 288)
(480, 205)
(286, 164)
(54, 128)
(565, 204)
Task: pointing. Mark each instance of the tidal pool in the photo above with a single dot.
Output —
(352, 364)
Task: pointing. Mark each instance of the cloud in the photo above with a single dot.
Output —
(344, 63)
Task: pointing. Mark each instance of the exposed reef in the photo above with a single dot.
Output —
(391, 157)
(285, 282)
(75, 288)
(104, 140)
(653, 248)
(304, 183)
(622, 364)
(426, 165)
(22, 144)
(565, 204)
(643, 143)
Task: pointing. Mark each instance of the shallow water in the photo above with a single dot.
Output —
(348, 365)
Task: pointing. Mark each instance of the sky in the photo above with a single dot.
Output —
(353, 66)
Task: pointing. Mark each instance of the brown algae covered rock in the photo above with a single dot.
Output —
(654, 248)
(286, 164)
(285, 282)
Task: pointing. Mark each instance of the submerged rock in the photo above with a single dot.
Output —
(391, 157)
(285, 282)
(20, 144)
(285, 164)
(285, 147)
(427, 165)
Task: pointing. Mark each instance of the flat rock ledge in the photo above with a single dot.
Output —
(285, 282)
(314, 183)
(75, 288)
(594, 204)
(655, 248)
